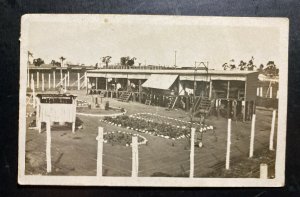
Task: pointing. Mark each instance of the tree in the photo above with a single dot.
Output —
(242, 65)
(127, 61)
(106, 60)
(261, 68)
(55, 63)
(232, 64)
(38, 62)
(124, 60)
(225, 66)
(250, 64)
(62, 59)
(130, 62)
(271, 69)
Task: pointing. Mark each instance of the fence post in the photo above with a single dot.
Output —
(49, 81)
(54, 85)
(37, 79)
(99, 151)
(135, 157)
(192, 153)
(43, 84)
(252, 136)
(48, 146)
(263, 171)
(271, 146)
(37, 118)
(68, 78)
(228, 144)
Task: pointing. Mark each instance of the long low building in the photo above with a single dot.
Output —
(230, 88)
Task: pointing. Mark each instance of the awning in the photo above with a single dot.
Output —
(160, 81)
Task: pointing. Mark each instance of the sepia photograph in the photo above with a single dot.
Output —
(164, 101)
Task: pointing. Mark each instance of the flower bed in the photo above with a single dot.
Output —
(156, 127)
(122, 138)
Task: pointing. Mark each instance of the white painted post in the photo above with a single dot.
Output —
(54, 85)
(73, 127)
(78, 81)
(192, 153)
(252, 136)
(65, 82)
(228, 144)
(48, 147)
(271, 146)
(49, 81)
(135, 157)
(68, 78)
(261, 91)
(31, 81)
(99, 151)
(263, 171)
(33, 92)
(106, 83)
(257, 91)
(37, 79)
(43, 84)
(271, 91)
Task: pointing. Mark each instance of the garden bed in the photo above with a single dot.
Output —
(122, 138)
(156, 126)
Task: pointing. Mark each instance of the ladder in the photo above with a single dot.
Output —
(125, 96)
(203, 106)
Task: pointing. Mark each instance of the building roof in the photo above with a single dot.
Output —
(173, 71)
(50, 66)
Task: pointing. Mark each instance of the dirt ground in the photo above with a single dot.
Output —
(75, 154)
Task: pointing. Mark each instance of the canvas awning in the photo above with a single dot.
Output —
(160, 81)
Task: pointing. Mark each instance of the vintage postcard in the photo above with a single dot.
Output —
(160, 101)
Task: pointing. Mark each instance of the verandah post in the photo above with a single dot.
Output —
(49, 81)
(43, 82)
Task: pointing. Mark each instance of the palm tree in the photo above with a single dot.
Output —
(106, 60)
(62, 61)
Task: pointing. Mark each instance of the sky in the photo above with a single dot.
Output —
(155, 44)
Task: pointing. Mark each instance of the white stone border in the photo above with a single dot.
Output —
(103, 115)
(133, 134)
